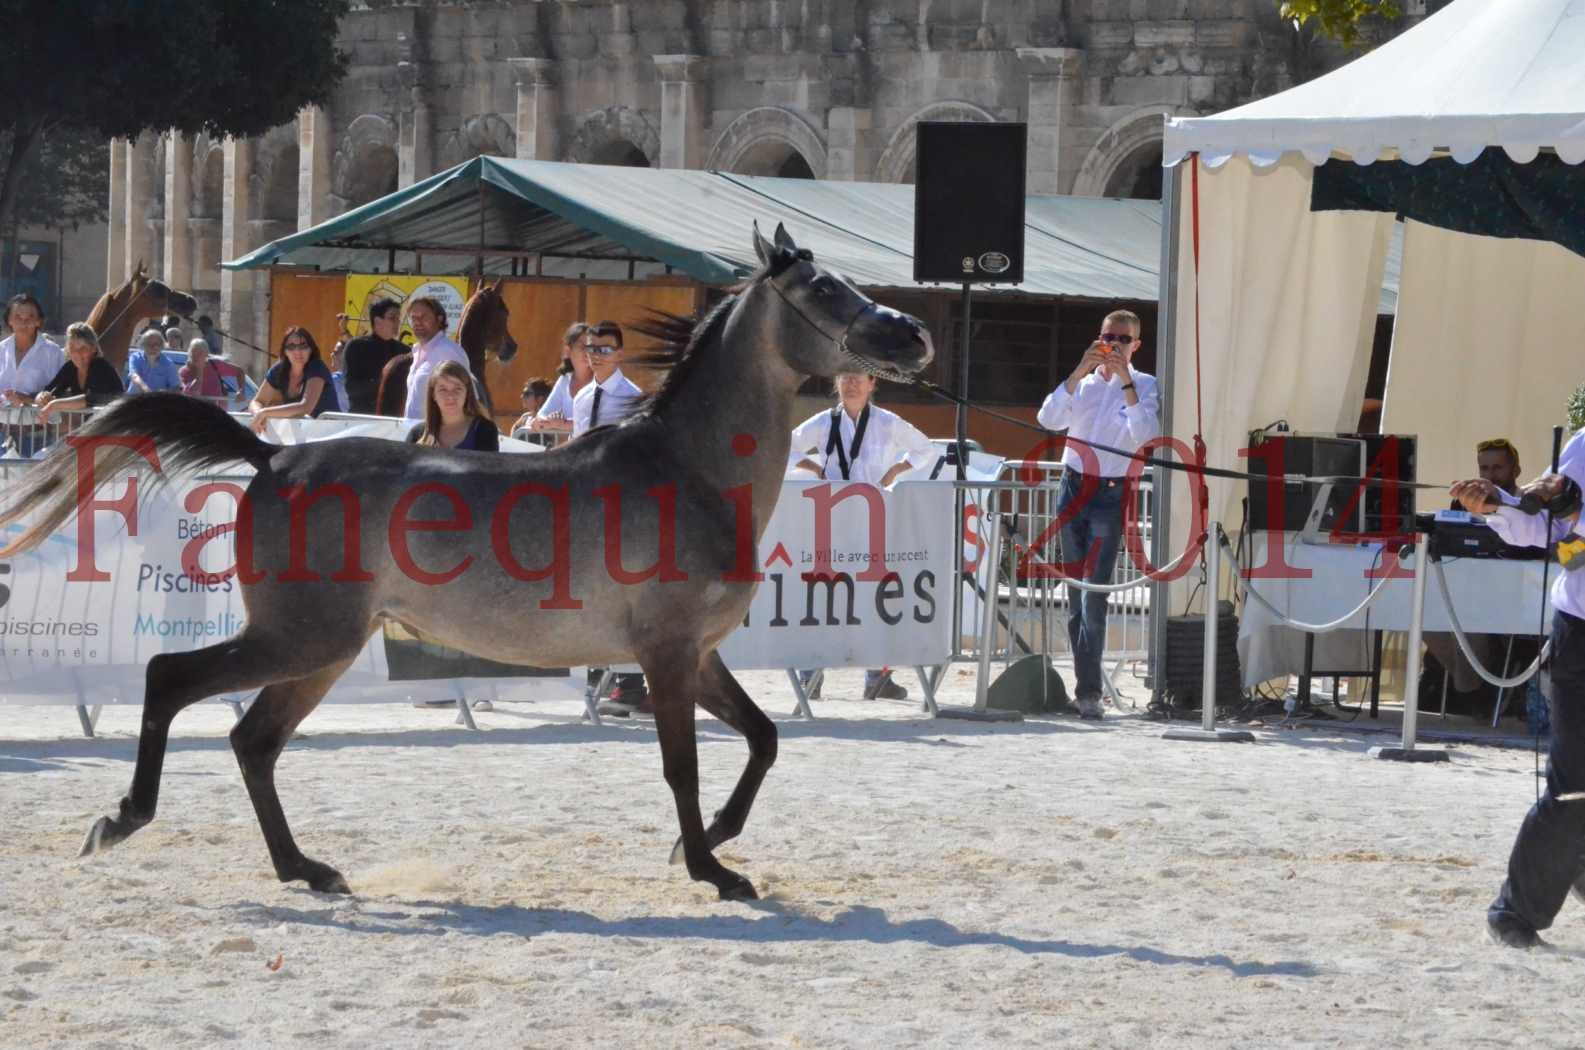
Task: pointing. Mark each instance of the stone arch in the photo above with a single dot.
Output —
(485, 135)
(209, 172)
(1120, 150)
(275, 176)
(615, 135)
(897, 161)
(366, 165)
(764, 141)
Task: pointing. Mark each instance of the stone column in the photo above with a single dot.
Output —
(847, 144)
(116, 255)
(139, 190)
(238, 288)
(1054, 90)
(413, 133)
(178, 205)
(682, 110)
(536, 108)
(314, 148)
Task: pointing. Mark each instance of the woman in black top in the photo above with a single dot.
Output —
(86, 380)
(453, 417)
(299, 385)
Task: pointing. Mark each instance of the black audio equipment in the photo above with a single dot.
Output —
(969, 202)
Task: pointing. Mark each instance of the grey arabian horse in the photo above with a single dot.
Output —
(335, 537)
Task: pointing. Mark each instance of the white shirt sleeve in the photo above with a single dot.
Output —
(911, 444)
(1056, 412)
(1144, 416)
(560, 398)
(808, 439)
(1529, 530)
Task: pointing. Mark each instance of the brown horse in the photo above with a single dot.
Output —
(481, 332)
(118, 312)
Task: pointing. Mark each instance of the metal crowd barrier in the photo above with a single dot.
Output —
(1030, 602)
(23, 436)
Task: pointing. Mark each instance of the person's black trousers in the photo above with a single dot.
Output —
(1549, 853)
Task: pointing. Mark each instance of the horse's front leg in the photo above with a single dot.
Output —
(673, 685)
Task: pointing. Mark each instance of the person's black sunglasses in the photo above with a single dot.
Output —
(1115, 337)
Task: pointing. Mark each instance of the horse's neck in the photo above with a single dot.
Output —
(115, 343)
(738, 387)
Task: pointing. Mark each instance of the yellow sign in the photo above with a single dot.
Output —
(366, 289)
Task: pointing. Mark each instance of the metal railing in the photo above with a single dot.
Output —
(23, 435)
(1030, 599)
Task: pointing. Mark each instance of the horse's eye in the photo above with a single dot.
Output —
(825, 286)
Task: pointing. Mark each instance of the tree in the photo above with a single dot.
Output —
(113, 69)
(1339, 19)
(63, 184)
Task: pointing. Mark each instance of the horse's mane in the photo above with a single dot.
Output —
(677, 339)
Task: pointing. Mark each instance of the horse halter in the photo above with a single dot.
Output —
(865, 365)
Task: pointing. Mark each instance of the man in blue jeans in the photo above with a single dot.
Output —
(1103, 401)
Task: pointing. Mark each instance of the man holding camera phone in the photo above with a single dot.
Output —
(1103, 401)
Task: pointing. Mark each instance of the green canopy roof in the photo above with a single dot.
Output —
(576, 216)
(698, 223)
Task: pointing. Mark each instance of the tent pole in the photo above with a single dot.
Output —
(1166, 370)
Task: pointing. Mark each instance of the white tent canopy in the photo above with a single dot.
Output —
(1486, 341)
(1479, 73)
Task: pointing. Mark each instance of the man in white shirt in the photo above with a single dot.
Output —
(612, 396)
(1107, 402)
(1546, 861)
(28, 360)
(432, 347)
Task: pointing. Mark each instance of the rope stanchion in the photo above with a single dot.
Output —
(1468, 650)
(1126, 585)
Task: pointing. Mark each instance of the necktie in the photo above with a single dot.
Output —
(594, 413)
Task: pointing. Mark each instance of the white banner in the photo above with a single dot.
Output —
(885, 599)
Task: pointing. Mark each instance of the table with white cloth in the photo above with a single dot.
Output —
(1490, 595)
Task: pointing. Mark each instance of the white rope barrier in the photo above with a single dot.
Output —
(1312, 628)
(1126, 585)
(1468, 651)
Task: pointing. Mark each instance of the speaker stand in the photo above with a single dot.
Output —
(963, 381)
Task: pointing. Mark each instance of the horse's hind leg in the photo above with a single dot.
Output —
(258, 741)
(674, 684)
(723, 697)
(172, 682)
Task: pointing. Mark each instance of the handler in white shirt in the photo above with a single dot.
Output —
(859, 441)
(28, 360)
(1546, 863)
(428, 320)
(612, 396)
(1107, 402)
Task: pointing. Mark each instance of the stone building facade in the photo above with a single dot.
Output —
(816, 88)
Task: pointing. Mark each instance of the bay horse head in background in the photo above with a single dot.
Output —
(117, 314)
(481, 332)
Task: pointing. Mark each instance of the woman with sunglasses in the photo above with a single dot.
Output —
(453, 417)
(555, 413)
(299, 384)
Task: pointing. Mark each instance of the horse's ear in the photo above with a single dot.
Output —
(763, 248)
(496, 287)
(784, 239)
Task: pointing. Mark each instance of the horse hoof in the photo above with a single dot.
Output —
(737, 888)
(100, 837)
(321, 878)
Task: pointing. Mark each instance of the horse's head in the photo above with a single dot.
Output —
(829, 326)
(141, 297)
(484, 323)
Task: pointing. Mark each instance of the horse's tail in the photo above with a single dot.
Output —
(188, 433)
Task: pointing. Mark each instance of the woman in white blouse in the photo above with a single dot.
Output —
(555, 413)
(857, 440)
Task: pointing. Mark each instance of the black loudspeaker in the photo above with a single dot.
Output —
(969, 202)
(1019, 688)
(1185, 671)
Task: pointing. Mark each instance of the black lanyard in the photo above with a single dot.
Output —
(834, 440)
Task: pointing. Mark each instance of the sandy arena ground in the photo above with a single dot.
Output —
(926, 884)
